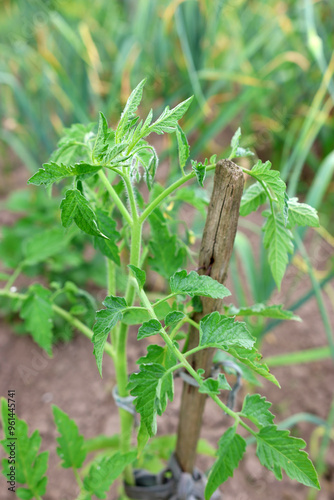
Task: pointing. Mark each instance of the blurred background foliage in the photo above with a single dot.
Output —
(264, 65)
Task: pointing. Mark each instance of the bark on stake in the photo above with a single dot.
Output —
(216, 250)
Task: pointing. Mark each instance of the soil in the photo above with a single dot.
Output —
(71, 380)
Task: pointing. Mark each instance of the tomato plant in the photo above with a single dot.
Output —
(99, 172)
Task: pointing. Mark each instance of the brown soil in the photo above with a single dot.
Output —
(70, 380)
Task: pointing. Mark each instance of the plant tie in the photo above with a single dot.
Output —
(126, 403)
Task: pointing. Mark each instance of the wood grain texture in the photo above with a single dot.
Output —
(215, 253)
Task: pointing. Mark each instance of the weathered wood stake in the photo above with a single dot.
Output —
(215, 253)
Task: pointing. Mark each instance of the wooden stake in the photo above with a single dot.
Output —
(215, 253)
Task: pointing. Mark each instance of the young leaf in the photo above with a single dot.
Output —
(53, 172)
(183, 147)
(71, 447)
(235, 142)
(276, 185)
(104, 471)
(173, 318)
(277, 450)
(222, 332)
(252, 199)
(107, 247)
(139, 274)
(158, 354)
(200, 171)
(256, 408)
(193, 284)
(231, 450)
(167, 121)
(151, 327)
(152, 392)
(76, 208)
(252, 359)
(106, 319)
(301, 214)
(100, 145)
(274, 311)
(278, 241)
(214, 386)
(130, 109)
(37, 313)
(30, 466)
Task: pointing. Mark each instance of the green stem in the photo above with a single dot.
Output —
(14, 276)
(111, 291)
(164, 299)
(155, 203)
(76, 323)
(78, 478)
(115, 197)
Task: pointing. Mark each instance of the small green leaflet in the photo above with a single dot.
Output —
(107, 247)
(151, 327)
(152, 392)
(223, 332)
(167, 121)
(193, 284)
(139, 274)
(301, 214)
(30, 466)
(214, 386)
(252, 359)
(256, 408)
(100, 145)
(106, 319)
(71, 447)
(200, 171)
(274, 311)
(252, 199)
(42, 246)
(278, 241)
(104, 471)
(237, 151)
(183, 147)
(277, 450)
(76, 208)
(54, 172)
(231, 450)
(263, 172)
(37, 313)
(174, 317)
(130, 109)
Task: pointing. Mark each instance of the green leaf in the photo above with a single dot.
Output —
(37, 313)
(214, 386)
(106, 319)
(71, 447)
(200, 171)
(277, 450)
(223, 332)
(301, 214)
(158, 354)
(278, 241)
(167, 121)
(139, 274)
(100, 145)
(30, 466)
(274, 311)
(183, 147)
(263, 172)
(151, 327)
(256, 408)
(104, 471)
(231, 450)
(76, 208)
(235, 142)
(252, 359)
(130, 109)
(39, 247)
(193, 284)
(173, 318)
(54, 172)
(252, 198)
(108, 246)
